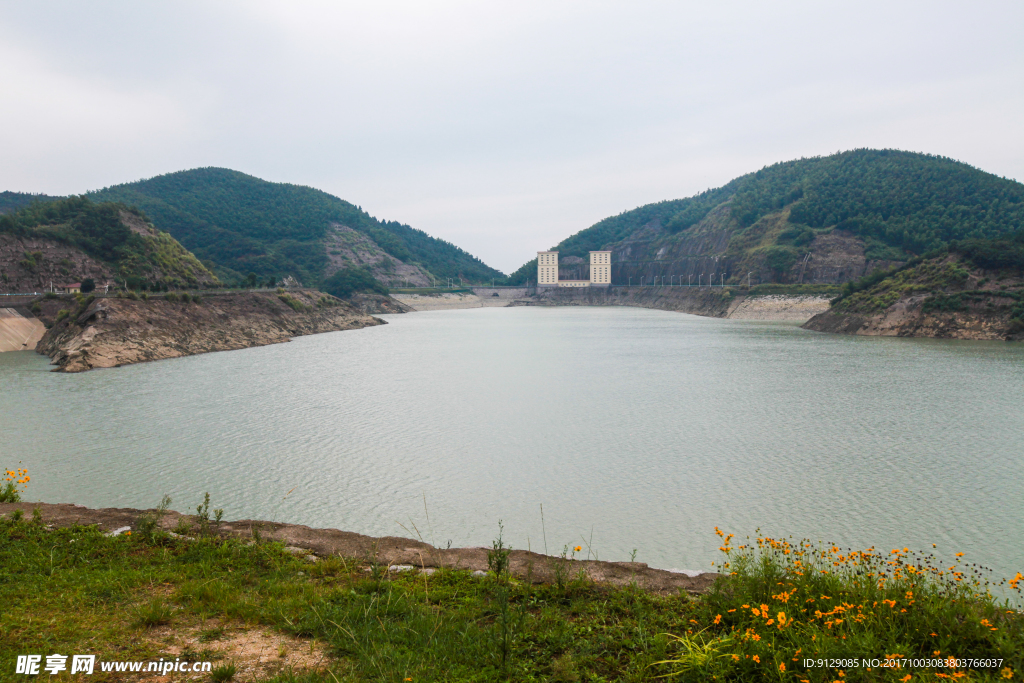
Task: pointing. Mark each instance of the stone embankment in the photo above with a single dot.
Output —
(777, 307)
(395, 553)
(479, 297)
(19, 330)
(711, 302)
(109, 332)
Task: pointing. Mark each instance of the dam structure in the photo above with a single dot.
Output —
(600, 270)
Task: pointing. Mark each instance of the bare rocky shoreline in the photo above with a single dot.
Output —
(109, 332)
(403, 554)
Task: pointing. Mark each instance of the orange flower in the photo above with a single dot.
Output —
(757, 659)
(718, 619)
(782, 667)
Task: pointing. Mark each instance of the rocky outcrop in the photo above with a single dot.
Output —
(108, 332)
(907, 318)
(943, 298)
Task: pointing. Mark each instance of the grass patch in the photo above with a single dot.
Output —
(223, 673)
(77, 590)
(153, 613)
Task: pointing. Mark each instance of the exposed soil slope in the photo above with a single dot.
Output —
(31, 264)
(389, 550)
(108, 332)
(945, 298)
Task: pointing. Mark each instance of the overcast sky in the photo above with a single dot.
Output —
(503, 127)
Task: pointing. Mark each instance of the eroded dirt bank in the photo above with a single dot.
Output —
(389, 550)
(108, 332)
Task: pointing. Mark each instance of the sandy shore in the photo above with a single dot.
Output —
(767, 307)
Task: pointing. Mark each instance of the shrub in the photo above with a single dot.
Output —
(942, 302)
(293, 303)
(88, 284)
(347, 281)
(186, 297)
(62, 313)
(780, 259)
(171, 296)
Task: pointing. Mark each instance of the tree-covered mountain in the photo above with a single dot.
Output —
(244, 224)
(12, 201)
(67, 240)
(825, 219)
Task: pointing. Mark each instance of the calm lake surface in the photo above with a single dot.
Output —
(636, 428)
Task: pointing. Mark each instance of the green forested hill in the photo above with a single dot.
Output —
(119, 237)
(245, 224)
(12, 201)
(898, 204)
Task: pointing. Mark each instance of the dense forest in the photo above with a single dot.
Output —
(152, 260)
(244, 224)
(901, 204)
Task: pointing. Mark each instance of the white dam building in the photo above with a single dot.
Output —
(600, 270)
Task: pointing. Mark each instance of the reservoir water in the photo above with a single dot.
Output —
(634, 428)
